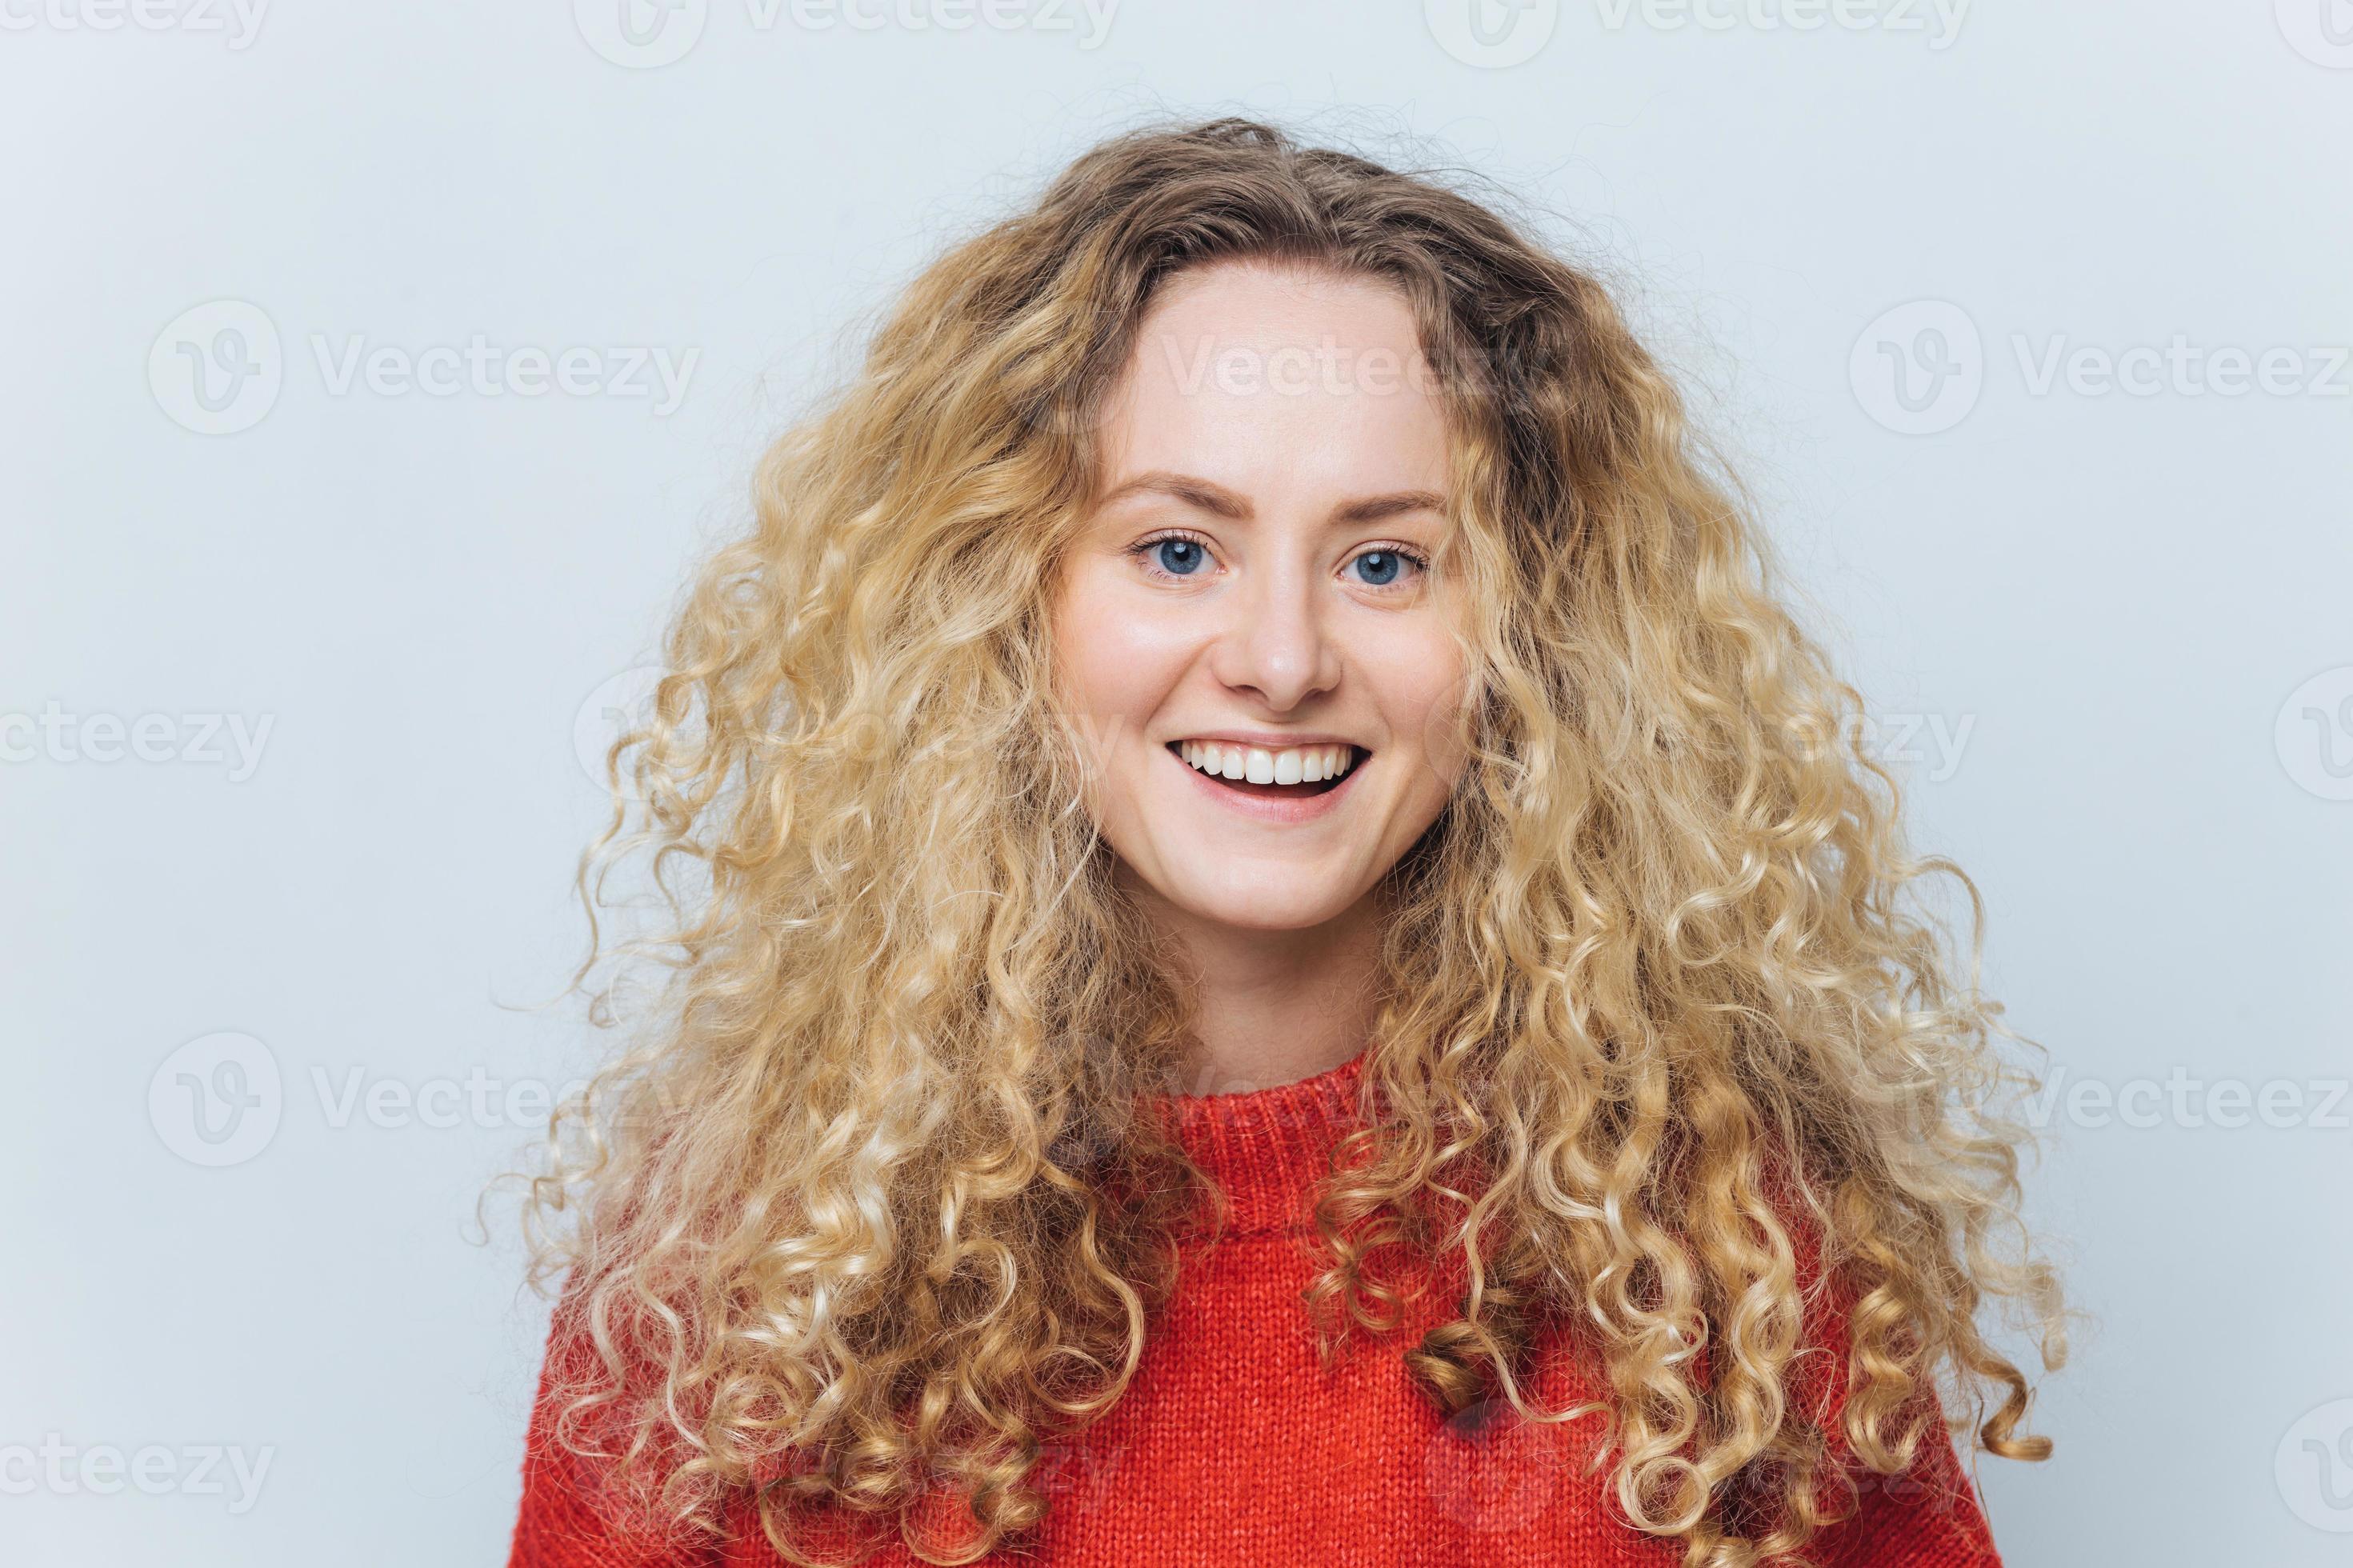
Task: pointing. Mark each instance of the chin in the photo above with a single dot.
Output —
(1280, 905)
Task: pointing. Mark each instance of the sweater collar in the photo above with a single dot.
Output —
(1266, 1148)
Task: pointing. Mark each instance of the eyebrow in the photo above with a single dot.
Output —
(1215, 498)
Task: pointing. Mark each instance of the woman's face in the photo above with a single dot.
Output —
(1260, 656)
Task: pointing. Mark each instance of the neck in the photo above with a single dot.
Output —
(1271, 1007)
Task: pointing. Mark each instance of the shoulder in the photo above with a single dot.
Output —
(592, 1475)
(1893, 1478)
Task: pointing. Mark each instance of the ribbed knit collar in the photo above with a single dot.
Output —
(1266, 1148)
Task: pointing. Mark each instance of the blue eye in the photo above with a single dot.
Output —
(1180, 557)
(1378, 568)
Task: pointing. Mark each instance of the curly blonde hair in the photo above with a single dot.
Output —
(869, 1208)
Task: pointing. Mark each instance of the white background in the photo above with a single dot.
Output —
(2108, 605)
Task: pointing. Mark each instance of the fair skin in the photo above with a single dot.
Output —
(1255, 633)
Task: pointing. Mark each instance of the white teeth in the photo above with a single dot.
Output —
(1289, 766)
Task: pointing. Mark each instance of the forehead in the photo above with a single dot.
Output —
(1272, 378)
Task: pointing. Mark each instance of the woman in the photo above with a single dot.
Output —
(1291, 960)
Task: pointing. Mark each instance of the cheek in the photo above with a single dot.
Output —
(1427, 695)
(1116, 669)
(1100, 664)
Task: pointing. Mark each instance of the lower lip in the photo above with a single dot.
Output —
(1271, 808)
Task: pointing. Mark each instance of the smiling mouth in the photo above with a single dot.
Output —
(1289, 772)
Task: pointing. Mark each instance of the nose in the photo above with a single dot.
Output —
(1275, 643)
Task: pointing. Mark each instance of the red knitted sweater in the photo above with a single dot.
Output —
(1234, 1445)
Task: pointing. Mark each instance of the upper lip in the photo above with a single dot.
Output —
(1263, 742)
